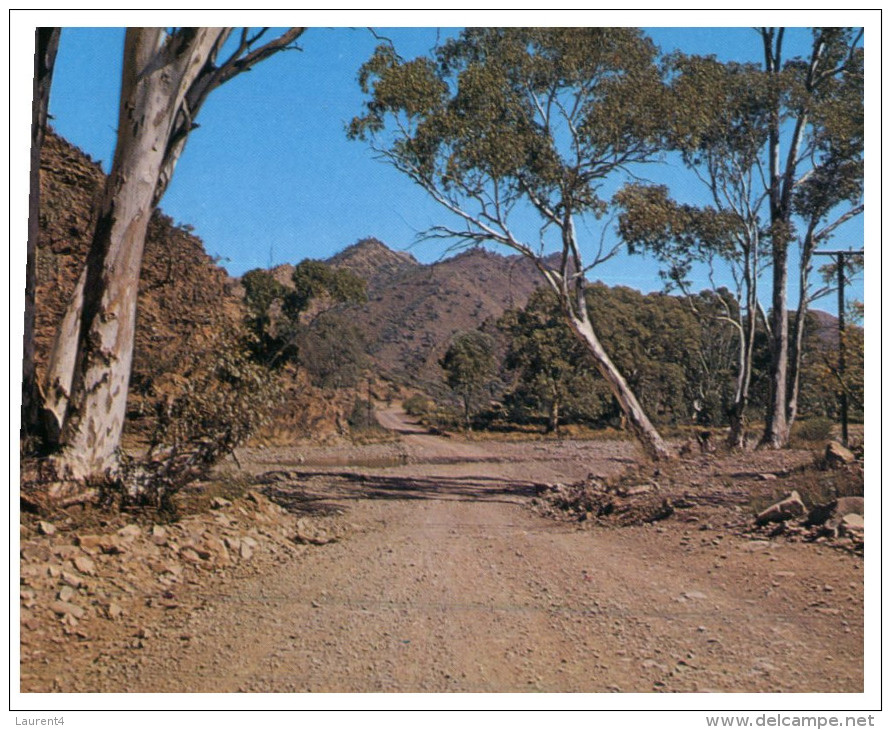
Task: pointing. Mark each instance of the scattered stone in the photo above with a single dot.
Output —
(849, 505)
(634, 491)
(822, 513)
(66, 552)
(851, 524)
(785, 509)
(65, 609)
(89, 543)
(189, 554)
(85, 565)
(130, 531)
(693, 595)
(219, 503)
(306, 539)
(837, 455)
(46, 528)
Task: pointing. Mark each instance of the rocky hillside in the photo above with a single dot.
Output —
(411, 321)
(183, 297)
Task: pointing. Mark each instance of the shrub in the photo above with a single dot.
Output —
(818, 428)
(417, 405)
(225, 396)
(362, 416)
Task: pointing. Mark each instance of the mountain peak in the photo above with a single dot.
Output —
(374, 261)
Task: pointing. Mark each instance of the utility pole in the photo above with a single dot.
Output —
(840, 272)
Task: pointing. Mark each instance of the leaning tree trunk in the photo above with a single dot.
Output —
(89, 373)
(47, 44)
(637, 419)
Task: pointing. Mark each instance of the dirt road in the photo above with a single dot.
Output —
(447, 582)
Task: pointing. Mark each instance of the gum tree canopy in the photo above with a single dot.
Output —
(504, 120)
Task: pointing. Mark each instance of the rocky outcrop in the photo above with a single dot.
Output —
(183, 297)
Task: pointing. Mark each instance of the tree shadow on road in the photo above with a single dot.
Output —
(303, 489)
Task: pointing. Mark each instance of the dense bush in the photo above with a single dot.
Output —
(417, 405)
(224, 397)
(813, 429)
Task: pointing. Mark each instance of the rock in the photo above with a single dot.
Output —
(216, 546)
(219, 503)
(785, 509)
(245, 550)
(66, 594)
(46, 528)
(85, 565)
(93, 544)
(633, 491)
(35, 553)
(114, 611)
(189, 554)
(834, 510)
(130, 531)
(65, 609)
(851, 524)
(767, 477)
(838, 455)
(89, 543)
(849, 505)
(66, 552)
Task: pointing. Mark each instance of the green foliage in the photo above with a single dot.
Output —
(821, 380)
(362, 416)
(225, 397)
(537, 113)
(469, 365)
(316, 279)
(555, 375)
(332, 350)
(818, 428)
(260, 291)
(417, 405)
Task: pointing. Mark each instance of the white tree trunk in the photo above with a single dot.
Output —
(644, 430)
(90, 364)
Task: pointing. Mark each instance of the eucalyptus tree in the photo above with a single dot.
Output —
(504, 121)
(550, 363)
(469, 366)
(718, 129)
(814, 183)
(167, 75)
(779, 152)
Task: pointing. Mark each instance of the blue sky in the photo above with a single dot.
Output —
(270, 177)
